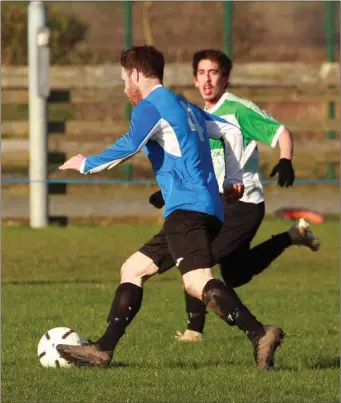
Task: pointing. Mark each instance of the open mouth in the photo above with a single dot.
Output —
(208, 89)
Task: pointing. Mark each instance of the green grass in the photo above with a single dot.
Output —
(67, 277)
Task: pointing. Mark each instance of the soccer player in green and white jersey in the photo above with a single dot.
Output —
(232, 248)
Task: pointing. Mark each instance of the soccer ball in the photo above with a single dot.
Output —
(47, 353)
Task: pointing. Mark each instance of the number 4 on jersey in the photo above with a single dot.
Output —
(193, 122)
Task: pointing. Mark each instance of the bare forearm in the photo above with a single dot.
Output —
(284, 168)
(286, 144)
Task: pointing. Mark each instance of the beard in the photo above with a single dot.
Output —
(134, 95)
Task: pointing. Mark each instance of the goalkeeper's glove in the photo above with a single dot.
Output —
(286, 173)
(156, 199)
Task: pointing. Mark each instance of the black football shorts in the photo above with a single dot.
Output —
(184, 241)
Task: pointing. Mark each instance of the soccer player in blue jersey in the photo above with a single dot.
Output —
(174, 135)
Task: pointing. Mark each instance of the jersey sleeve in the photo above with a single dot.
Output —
(231, 135)
(258, 125)
(144, 124)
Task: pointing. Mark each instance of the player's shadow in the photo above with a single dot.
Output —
(326, 364)
(116, 364)
(198, 365)
(120, 364)
(175, 364)
(52, 282)
(321, 364)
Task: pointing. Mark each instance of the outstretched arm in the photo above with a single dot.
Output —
(144, 124)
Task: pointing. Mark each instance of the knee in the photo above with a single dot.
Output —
(195, 281)
(194, 290)
(128, 272)
(137, 269)
(194, 285)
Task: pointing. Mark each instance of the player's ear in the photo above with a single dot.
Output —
(196, 82)
(135, 76)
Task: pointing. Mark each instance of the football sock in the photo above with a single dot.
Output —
(196, 311)
(224, 301)
(126, 304)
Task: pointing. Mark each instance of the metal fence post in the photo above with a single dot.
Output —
(128, 35)
(330, 30)
(37, 78)
(228, 9)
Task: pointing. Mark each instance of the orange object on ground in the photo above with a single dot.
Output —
(294, 213)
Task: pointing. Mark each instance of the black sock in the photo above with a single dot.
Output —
(126, 304)
(224, 301)
(196, 311)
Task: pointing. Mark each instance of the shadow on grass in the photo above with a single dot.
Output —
(178, 364)
(142, 365)
(325, 364)
(321, 364)
(120, 364)
(52, 282)
(116, 364)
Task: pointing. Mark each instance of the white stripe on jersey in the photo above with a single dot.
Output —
(111, 164)
(167, 139)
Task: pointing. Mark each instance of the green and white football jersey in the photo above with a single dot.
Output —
(255, 125)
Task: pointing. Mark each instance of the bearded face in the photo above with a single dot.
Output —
(133, 93)
(130, 87)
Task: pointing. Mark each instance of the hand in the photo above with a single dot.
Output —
(156, 199)
(286, 173)
(73, 163)
(232, 193)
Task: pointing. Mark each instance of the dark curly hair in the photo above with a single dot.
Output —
(215, 55)
(146, 59)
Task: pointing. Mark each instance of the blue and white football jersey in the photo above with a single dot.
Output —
(174, 135)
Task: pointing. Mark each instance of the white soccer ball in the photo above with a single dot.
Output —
(47, 352)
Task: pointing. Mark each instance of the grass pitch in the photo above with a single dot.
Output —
(67, 277)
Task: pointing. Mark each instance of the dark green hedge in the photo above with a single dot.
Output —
(67, 37)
